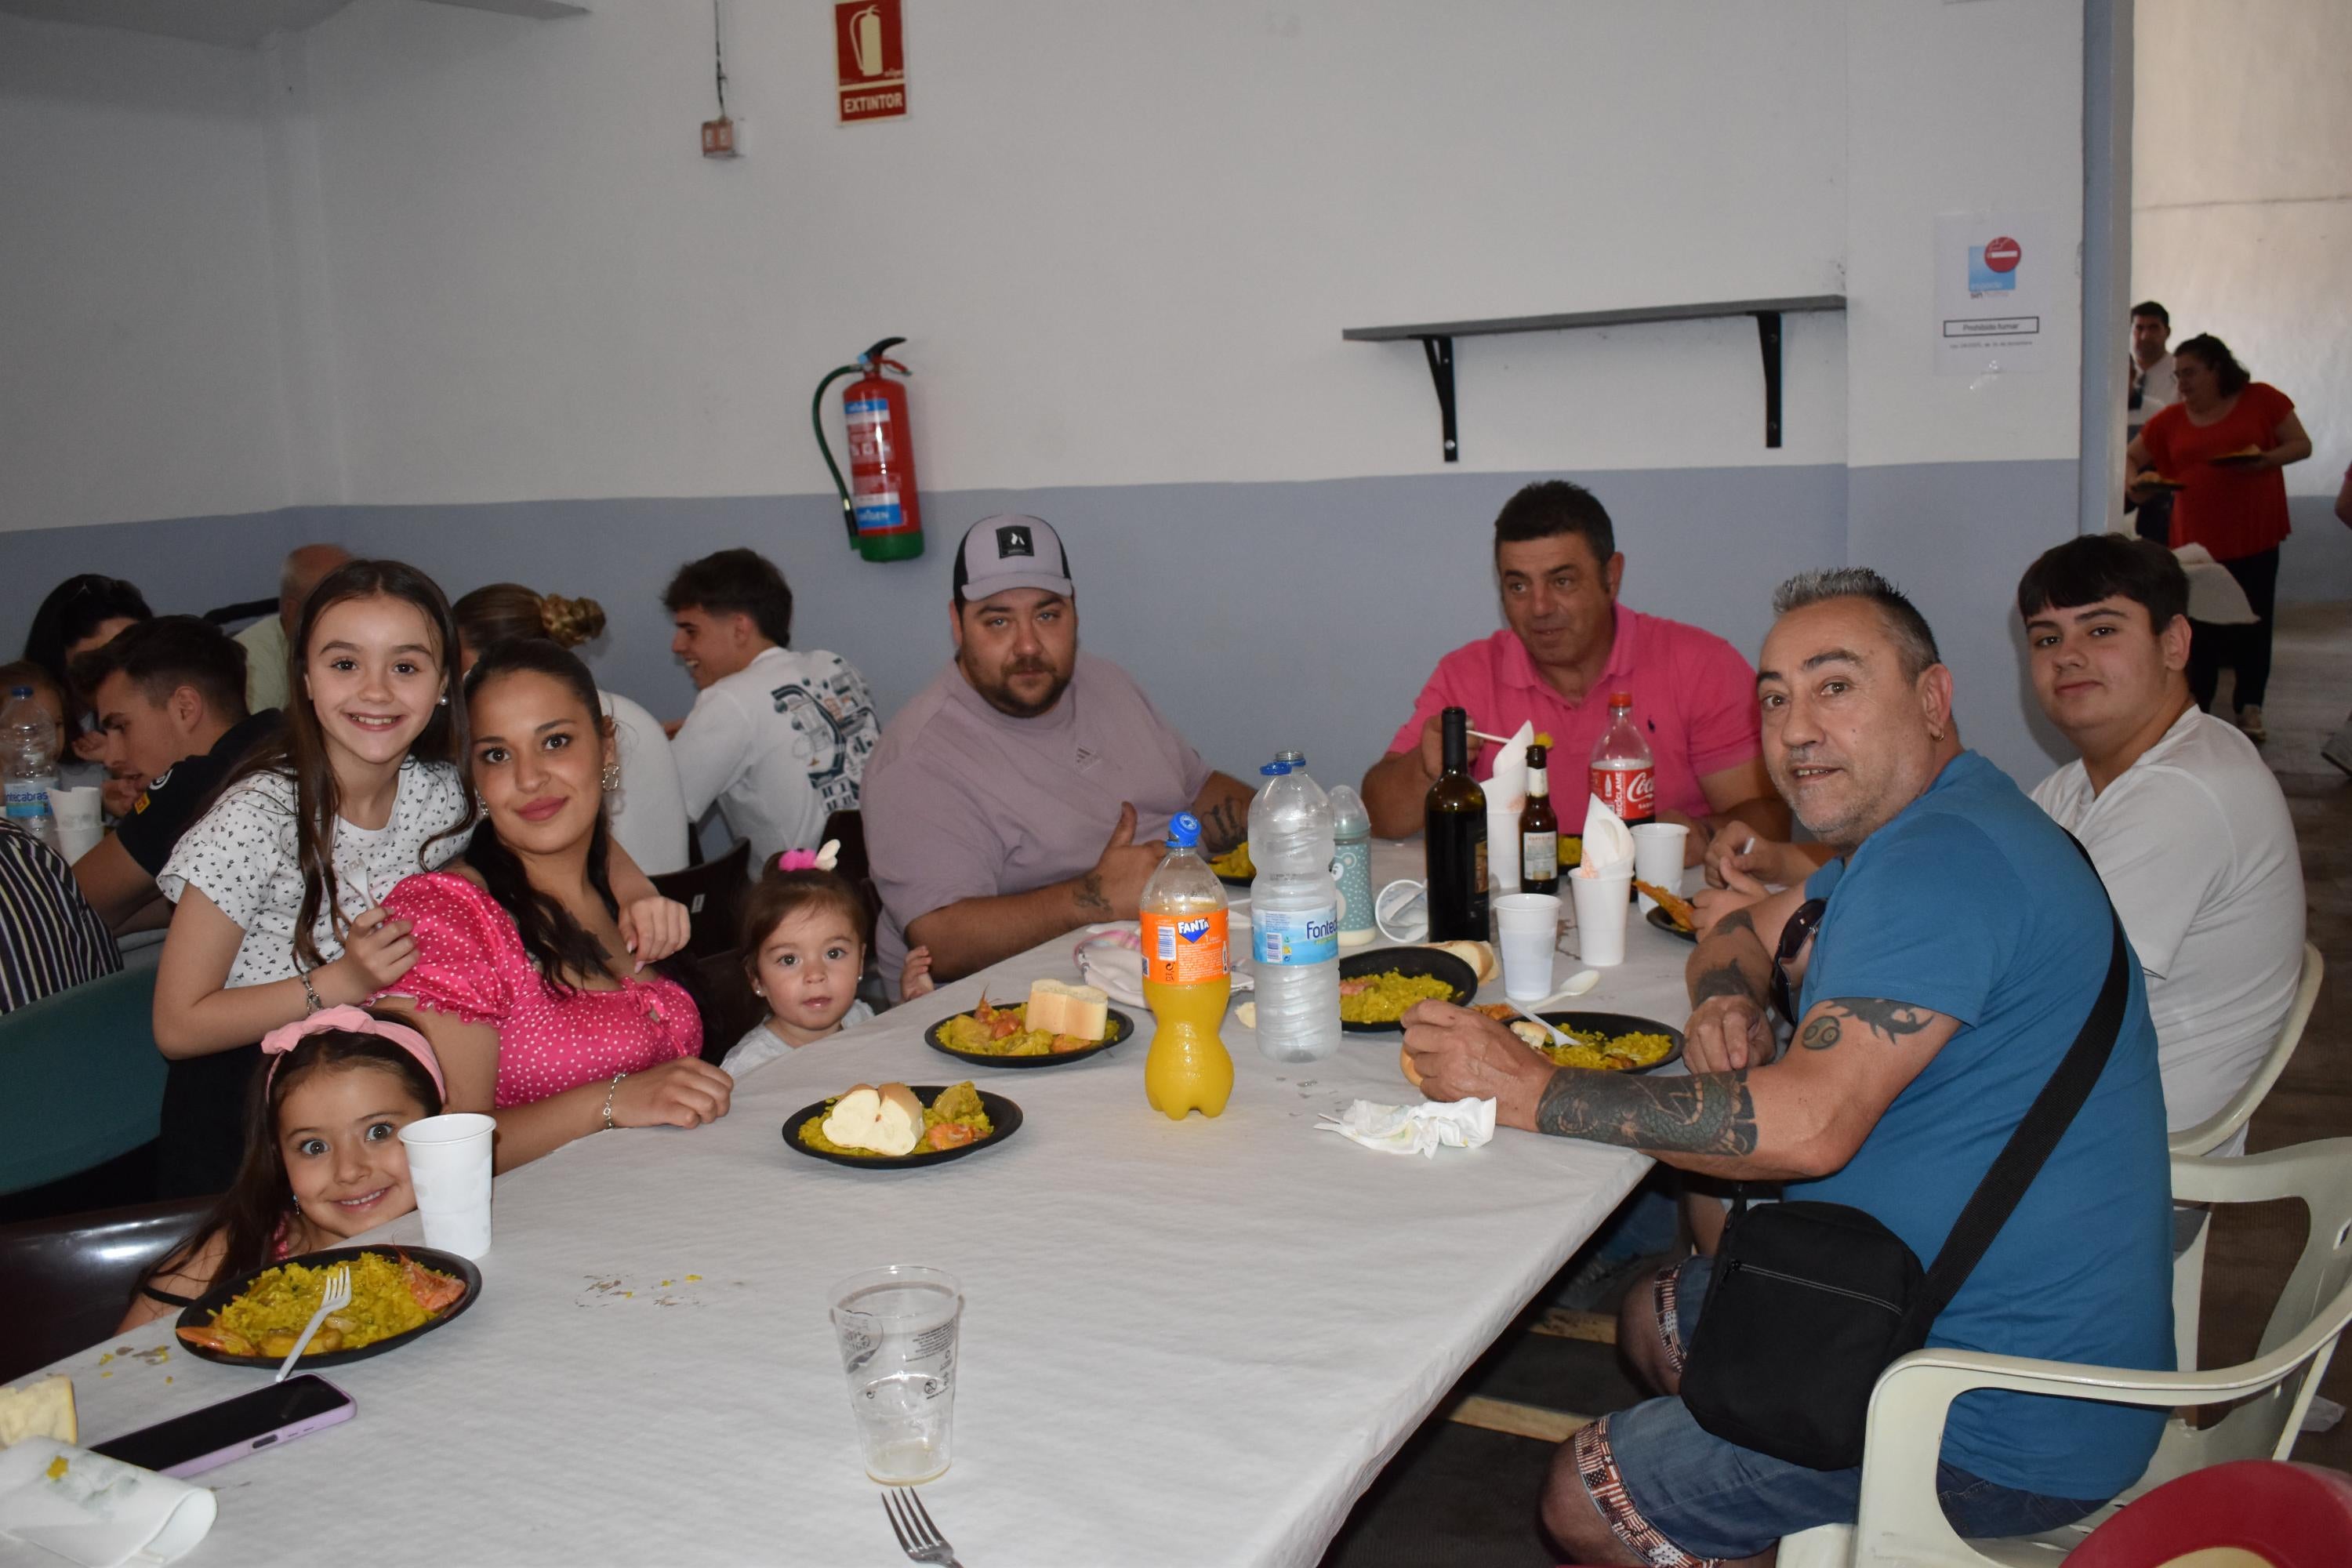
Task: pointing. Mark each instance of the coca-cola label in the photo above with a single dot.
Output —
(1630, 793)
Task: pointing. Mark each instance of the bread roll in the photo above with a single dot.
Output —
(887, 1121)
(1478, 955)
(42, 1409)
(1404, 1060)
(1081, 1012)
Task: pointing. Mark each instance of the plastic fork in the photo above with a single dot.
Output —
(919, 1538)
(337, 1296)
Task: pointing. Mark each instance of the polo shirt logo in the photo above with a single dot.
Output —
(1014, 540)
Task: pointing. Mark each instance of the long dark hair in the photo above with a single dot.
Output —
(74, 609)
(559, 944)
(299, 752)
(249, 1214)
(2229, 377)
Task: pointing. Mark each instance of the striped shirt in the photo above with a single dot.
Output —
(49, 938)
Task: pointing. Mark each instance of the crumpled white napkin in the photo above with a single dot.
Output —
(98, 1511)
(1608, 842)
(1110, 958)
(1413, 1129)
(1507, 787)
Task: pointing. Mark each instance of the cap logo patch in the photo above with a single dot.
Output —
(1014, 540)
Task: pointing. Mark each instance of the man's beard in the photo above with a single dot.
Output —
(998, 692)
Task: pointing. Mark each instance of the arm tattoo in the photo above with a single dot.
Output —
(1712, 1114)
(1738, 920)
(1893, 1019)
(1090, 899)
(1223, 825)
(1724, 980)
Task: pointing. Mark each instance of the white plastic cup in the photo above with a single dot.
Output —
(1527, 928)
(1600, 906)
(1402, 909)
(1658, 851)
(449, 1167)
(76, 814)
(898, 1329)
(1502, 850)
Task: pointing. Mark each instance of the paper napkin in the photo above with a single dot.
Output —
(1414, 1129)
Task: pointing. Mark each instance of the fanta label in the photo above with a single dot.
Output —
(1180, 949)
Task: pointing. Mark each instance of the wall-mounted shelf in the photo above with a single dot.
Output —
(1437, 339)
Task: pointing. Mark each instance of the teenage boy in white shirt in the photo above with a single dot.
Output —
(778, 736)
(2184, 822)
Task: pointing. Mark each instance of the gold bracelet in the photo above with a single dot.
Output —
(309, 992)
(610, 1090)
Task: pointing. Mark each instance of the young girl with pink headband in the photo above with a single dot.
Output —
(323, 1159)
(803, 940)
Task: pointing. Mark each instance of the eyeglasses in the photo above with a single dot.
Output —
(1800, 930)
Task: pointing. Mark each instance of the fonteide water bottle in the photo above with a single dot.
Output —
(1621, 773)
(28, 764)
(1295, 917)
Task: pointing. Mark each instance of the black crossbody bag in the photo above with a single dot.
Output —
(1810, 1301)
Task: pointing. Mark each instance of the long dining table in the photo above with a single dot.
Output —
(1187, 1344)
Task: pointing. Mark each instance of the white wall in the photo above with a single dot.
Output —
(2242, 220)
(139, 337)
(1121, 239)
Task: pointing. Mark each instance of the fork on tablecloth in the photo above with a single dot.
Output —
(919, 1538)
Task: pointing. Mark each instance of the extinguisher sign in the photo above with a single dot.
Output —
(870, 56)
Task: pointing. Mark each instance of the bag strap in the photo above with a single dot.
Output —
(2037, 1134)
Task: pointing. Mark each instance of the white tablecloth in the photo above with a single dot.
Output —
(1183, 1343)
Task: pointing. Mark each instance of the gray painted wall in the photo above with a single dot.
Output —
(1258, 615)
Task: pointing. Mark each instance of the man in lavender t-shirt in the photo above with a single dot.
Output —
(1024, 792)
(1571, 642)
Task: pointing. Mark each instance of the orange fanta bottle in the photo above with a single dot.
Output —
(1186, 983)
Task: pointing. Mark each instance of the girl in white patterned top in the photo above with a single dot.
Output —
(278, 887)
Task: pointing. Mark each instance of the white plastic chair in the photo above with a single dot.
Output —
(1900, 1520)
(2222, 1125)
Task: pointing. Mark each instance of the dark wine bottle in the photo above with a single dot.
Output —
(1538, 830)
(1454, 825)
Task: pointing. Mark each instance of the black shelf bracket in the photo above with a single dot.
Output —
(1440, 352)
(1767, 337)
(1436, 339)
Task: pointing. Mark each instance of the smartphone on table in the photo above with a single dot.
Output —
(205, 1439)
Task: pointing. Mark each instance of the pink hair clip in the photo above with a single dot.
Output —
(819, 860)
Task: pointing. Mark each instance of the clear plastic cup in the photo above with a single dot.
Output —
(1658, 848)
(449, 1167)
(79, 827)
(897, 1326)
(1527, 929)
(1601, 908)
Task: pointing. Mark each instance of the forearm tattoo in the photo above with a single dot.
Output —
(1738, 920)
(1089, 896)
(1724, 980)
(1832, 1020)
(1710, 1114)
(1223, 825)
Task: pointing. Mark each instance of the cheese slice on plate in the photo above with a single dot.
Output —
(42, 1409)
(1081, 1012)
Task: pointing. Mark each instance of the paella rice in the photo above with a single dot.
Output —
(281, 1299)
(959, 1106)
(1383, 998)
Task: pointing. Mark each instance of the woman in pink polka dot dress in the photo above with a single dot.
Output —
(522, 982)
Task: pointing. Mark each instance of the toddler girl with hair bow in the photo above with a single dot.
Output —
(804, 939)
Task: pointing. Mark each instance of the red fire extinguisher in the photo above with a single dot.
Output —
(879, 505)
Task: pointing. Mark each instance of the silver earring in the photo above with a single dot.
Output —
(760, 992)
(443, 701)
(482, 802)
(611, 779)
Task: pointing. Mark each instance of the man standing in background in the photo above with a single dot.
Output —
(264, 641)
(2152, 387)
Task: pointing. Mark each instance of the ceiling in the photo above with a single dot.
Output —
(238, 23)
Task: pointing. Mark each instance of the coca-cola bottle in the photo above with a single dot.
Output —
(1622, 774)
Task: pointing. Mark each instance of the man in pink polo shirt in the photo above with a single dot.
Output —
(1569, 645)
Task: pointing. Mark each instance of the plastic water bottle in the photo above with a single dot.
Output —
(1295, 917)
(28, 764)
(1351, 866)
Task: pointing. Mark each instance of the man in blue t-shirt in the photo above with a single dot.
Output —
(1958, 943)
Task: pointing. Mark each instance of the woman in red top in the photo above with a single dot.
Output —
(2225, 442)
